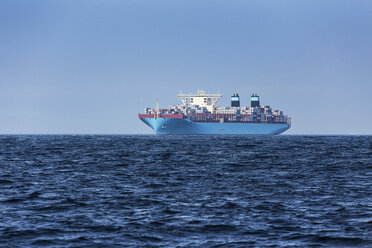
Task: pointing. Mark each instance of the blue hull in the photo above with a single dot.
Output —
(185, 126)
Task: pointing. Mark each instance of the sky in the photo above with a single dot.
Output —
(90, 66)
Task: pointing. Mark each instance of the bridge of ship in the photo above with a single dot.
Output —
(201, 99)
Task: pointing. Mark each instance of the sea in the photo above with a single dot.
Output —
(185, 191)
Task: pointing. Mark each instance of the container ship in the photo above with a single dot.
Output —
(198, 114)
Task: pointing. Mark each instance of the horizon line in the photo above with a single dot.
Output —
(81, 134)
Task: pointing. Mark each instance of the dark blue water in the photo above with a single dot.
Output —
(186, 191)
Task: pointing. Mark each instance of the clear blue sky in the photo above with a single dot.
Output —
(91, 66)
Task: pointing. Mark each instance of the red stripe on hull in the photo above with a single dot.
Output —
(168, 116)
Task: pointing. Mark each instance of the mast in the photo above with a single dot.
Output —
(157, 108)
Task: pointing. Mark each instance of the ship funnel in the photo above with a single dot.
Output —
(255, 101)
(235, 100)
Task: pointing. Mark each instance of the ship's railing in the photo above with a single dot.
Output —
(267, 122)
(169, 116)
(222, 118)
(245, 118)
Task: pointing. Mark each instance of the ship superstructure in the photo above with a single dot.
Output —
(199, 114)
